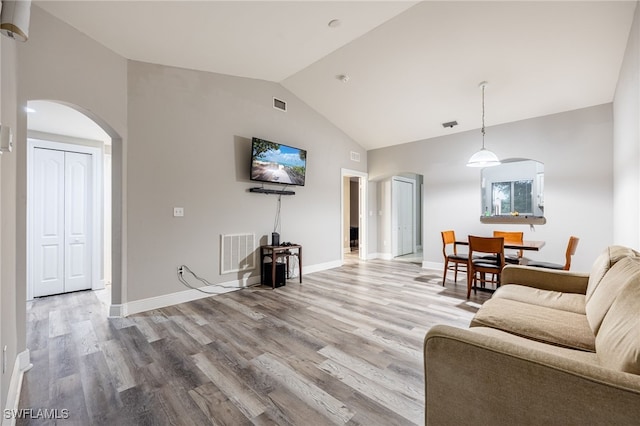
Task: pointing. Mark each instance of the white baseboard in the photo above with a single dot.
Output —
(372, 256)
(180, 297)
(22, 365)
(320, 267)
(432, 265)
(136, 306)
(384, 256)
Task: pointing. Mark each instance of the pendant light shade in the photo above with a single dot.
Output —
(484, 157)
(14, 19)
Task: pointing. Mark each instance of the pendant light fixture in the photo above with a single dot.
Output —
(484, 157)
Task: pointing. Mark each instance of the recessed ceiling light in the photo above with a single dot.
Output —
(29, 109)
(334, 23)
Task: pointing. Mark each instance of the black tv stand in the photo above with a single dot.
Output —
(271, 191)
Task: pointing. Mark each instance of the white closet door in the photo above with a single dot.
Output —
(77, 221)
(48, 222)
(407, 210)
(61, 221)
(402, 216)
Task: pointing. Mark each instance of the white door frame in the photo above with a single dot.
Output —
(97, 226)
(362, 214)
(394, 215)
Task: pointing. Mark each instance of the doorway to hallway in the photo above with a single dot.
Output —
(353, 218)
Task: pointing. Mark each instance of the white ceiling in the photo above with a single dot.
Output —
(411, 65)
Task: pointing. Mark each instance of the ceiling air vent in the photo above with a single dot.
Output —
(450, 124)
(279, 104)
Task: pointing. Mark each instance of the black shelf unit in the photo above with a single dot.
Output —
(271, 191)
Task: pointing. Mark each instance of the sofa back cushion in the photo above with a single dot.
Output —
(624, 273)
(603, 263)
(618, 341)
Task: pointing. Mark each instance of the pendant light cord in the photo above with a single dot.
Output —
(483, 86)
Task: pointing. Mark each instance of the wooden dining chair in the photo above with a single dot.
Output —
(571, 250)
(452, 259)
(489, 260)
(511, 237)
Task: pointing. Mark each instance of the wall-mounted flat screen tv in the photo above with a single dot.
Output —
(277, 163)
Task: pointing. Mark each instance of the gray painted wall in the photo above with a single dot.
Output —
(576, 149)
(626, 148)
(58, 63)
(183, 140)
(189, 146)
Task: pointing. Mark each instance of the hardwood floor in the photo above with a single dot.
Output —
(343, 347)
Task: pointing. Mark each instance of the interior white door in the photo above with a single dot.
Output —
(407, 212)
(48, 222)
(77, 221)
(62, 198)
(403, 210)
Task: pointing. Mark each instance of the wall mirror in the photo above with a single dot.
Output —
(513, 192)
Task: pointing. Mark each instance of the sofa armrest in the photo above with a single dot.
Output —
(471, 378)
(546, 279)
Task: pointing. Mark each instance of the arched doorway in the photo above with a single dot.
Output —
(59, 128)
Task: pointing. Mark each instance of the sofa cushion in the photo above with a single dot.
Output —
(618, 341)
(534, 345)
(542, 323)
(570, 302)
(624, 273)
(604, 262)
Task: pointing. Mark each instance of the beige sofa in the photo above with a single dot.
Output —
(549, 348)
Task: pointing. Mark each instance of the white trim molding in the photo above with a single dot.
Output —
(383, 256)
(143, 305)
(21, 366)
(320, 267)
(363, 241)
(432, 265)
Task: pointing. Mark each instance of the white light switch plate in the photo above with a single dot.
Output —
(178, 211)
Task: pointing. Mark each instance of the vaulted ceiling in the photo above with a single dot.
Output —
(411, 66)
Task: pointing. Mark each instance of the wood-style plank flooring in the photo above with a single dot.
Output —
(343, 347)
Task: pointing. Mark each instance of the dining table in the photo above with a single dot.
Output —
(524, 245)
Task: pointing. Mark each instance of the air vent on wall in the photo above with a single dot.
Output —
(237, 253)
(279, 104)
(355, 156)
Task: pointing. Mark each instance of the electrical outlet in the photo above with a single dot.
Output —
(178, 211)
(180, 270)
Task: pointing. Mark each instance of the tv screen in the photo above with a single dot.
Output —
(276, 163)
